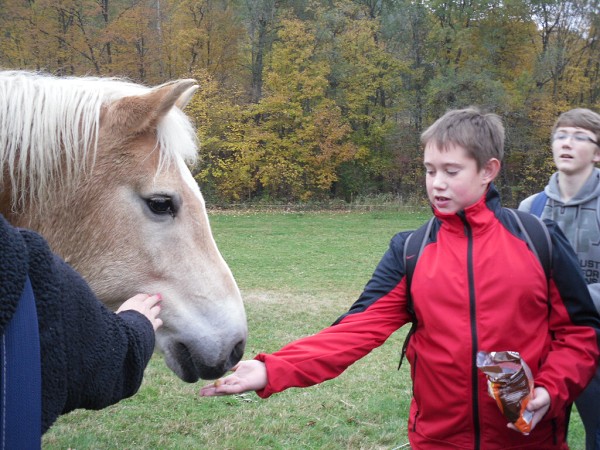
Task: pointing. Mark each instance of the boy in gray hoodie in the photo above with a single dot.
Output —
(572, 200)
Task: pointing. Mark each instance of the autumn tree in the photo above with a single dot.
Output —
(202, 35)
(305, 99)
(304, 137)
(60, 36)
(262, 28)
(229, 160)
(289, 145)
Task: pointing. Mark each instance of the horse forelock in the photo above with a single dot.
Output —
(177, 137)
(49, 131)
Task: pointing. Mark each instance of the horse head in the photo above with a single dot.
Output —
(126, 212)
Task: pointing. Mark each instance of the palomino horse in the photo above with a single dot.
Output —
(98, 167)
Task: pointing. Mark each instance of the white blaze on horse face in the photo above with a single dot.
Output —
(187, 177)
(204, 329)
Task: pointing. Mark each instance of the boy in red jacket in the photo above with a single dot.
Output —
(477, 287)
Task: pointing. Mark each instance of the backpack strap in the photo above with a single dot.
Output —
(413, 247)
(538, 204)
(537, 237)
(20, 377)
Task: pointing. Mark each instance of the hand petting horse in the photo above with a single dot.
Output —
(98, 166)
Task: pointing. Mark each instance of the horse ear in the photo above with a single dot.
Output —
(185, 98)
(137, 113)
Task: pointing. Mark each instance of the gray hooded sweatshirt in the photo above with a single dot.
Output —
(579, 219)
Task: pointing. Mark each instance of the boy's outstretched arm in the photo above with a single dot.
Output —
(248, 375)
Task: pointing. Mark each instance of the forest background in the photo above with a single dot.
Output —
(310, 101)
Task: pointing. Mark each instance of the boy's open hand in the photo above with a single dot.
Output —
(247, 376)
(148, 305)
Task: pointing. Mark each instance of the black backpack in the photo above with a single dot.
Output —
(534, 230)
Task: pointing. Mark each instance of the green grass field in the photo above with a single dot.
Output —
(297, 272)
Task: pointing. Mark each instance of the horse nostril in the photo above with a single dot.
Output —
(237, 352)
(183, 354)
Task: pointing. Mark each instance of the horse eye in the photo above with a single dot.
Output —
(161, 206)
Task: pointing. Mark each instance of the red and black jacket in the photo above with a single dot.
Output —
(476, 287)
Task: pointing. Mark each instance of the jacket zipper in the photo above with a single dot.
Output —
(413, 394)
(473, 321)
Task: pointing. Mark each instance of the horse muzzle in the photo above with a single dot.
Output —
(191, 361)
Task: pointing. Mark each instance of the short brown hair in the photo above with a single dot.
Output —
(579, 118)
(480, 134)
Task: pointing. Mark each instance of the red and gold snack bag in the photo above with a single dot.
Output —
(510, 383)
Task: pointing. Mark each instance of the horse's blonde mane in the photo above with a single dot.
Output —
(49, 129)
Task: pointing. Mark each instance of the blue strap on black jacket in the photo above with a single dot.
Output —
(20, 378)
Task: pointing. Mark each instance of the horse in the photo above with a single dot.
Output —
(99, 166)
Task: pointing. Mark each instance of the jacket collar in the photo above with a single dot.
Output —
(479, 216)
